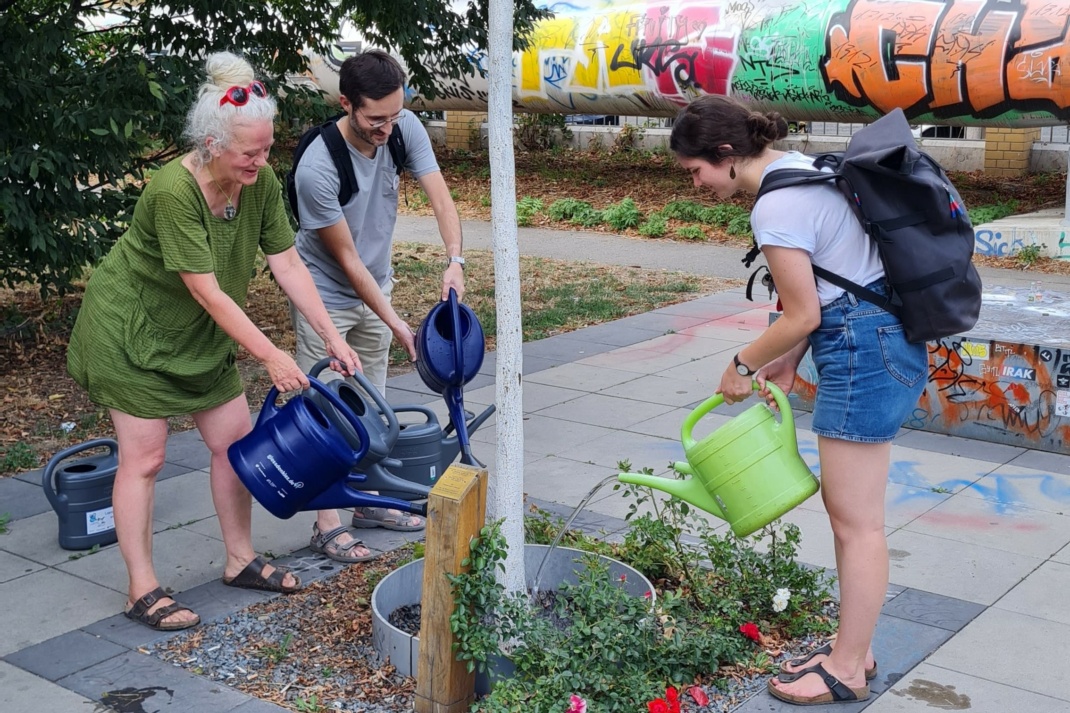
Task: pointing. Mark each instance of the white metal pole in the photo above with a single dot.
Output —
(506, 488)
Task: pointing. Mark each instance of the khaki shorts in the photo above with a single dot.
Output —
(361, 328)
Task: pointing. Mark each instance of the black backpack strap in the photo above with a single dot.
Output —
(396, 144)
(888, 304)
(767, 282)
(784, 177)
(339, 151)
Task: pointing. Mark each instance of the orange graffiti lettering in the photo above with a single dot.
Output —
(971, 42)
(1035, 71)
(885, 49)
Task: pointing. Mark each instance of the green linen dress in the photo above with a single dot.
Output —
(141, 343)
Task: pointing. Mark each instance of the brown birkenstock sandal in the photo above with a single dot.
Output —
(837, 693)
(787, 676)
(252, 577)
(139, 612)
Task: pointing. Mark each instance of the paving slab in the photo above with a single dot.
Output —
(582, 377)
(156, 685)
(1010, 528)
(955, 446)
(640, 451)
(612, 334)
(955, 569)
(48, 603)
(185, 500)
(563, 481)
(22, 499)
(929, 688)
(1013, 485)
(545, 436)
(22, 691)
(601, 410)
(656, 389)
(13, 566)
(65, 654)
(931, 470)
(566, 349)
(1044, 594)
(690, 346)
(1017, 638)
(1042, 460)
(182, 558)
(37, 538)
(636, 359)
(932, 609)
(668, 424)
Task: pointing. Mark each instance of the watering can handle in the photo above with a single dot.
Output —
(343, 410)
(716, 400)
(393, 428)
(458, 352)
(48, 477)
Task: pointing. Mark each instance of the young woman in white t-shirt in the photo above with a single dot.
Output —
(869, 376)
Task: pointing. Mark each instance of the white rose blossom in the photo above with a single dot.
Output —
(780, 599)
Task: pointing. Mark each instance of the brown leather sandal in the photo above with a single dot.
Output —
(252, 577)
(838, 692)
(139, 612)
(787, 676)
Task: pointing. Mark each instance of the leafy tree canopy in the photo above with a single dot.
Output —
(94, 92)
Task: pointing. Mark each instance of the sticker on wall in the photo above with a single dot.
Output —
(1062, 403)
(977, 350)
(1024, 373)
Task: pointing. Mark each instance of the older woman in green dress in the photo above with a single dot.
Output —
(163, 316)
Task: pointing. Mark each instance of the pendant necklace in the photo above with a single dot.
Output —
(229, 211)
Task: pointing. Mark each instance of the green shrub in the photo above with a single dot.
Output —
(687, 211)
(655, 226)
(526, 208)
(622, 215)
(691, 232)
(988, 213)
(723, 214)
(588, 217)
(739, 225)
(566, 208)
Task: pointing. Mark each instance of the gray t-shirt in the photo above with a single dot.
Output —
(820, 221)
(370, 214)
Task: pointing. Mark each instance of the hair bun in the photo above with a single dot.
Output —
(766, 128)
(225, 69)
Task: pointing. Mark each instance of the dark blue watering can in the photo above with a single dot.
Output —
(296, 459)
(449, 352)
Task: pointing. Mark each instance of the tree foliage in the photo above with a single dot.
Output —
(93, 93)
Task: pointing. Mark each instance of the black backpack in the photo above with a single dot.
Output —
(907, 205)
(336, 146)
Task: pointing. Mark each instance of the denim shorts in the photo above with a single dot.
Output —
(869, 377)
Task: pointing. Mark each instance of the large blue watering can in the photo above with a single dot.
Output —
(449, 352)
(296, 459)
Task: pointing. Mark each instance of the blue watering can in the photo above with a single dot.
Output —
(296, 459)
(449, 352)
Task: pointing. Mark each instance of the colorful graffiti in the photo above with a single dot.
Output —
(981, 62)
(997, 390)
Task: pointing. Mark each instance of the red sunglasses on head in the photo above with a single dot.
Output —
(239, 96)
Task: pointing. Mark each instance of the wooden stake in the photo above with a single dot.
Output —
(456, 512)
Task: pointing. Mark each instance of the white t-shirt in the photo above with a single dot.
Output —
(817, 219)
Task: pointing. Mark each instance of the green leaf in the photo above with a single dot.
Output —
(154, 88)
(99, 132)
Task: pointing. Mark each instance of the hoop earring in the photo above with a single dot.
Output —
(732, 172)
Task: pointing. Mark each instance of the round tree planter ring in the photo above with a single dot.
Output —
(404, 585)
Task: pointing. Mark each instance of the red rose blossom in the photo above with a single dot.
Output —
(658, 705)
(750, 630)
(673, 699)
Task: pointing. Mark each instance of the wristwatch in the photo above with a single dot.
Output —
(741, 368)
(455, 259)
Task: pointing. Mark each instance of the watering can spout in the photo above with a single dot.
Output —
(689, 490)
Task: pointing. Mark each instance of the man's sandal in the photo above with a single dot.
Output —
(326, 543)
(139, 612)
(368, 517)
(787, 676)
(837, 693)
(252, 577)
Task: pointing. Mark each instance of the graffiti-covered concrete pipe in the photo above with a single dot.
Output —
(967, 62)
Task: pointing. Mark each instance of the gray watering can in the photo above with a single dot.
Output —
(424, 450)
(383, 429)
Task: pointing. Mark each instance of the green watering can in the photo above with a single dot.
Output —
(748, 472)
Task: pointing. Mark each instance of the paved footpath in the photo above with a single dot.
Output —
(975, 619)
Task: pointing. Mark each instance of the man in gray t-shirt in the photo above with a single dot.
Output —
(347, 248)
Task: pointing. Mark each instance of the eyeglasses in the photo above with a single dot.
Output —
(239, 96)
(379, 124)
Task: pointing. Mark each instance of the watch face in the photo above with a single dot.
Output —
(742, 370)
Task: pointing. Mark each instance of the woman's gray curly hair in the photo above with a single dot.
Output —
(207, 119)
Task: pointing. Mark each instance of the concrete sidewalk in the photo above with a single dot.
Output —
(975, 617)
